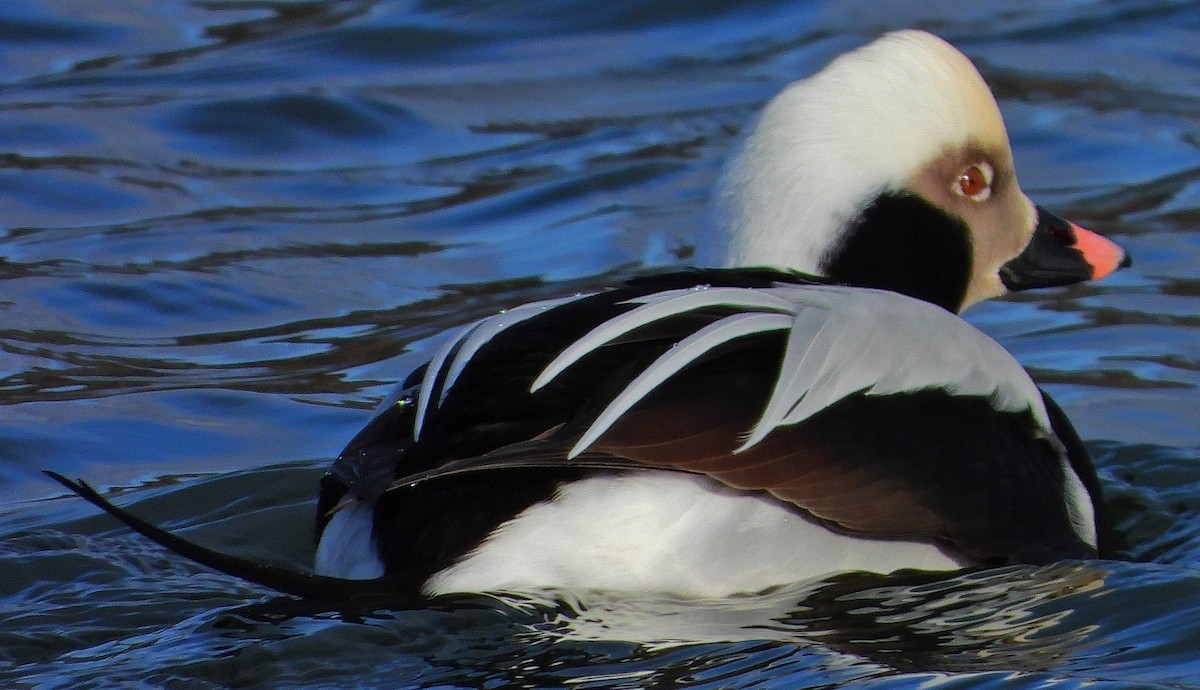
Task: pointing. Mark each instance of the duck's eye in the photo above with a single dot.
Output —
(975, 182)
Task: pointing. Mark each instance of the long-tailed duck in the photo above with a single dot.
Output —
(814, 404)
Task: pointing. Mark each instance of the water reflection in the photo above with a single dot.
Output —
(228, 228)
(1053, 622)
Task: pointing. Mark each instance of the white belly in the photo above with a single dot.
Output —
(668, 532)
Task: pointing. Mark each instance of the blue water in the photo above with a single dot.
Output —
(226, 228)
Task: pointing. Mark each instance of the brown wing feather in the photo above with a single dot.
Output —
(698, 434)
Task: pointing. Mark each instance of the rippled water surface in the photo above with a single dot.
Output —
(227, 227)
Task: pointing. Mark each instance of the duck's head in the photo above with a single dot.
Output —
(891, 168)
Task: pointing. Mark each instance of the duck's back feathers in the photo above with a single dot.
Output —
(875, 413)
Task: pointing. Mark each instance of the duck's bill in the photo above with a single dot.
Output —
(1062, 253)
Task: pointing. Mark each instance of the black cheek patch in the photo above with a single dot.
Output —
(905, 244)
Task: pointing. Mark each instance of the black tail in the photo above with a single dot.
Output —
(294, 582)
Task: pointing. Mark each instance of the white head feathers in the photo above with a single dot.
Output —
(827, 145)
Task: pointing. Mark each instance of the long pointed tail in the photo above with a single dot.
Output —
(286, 580)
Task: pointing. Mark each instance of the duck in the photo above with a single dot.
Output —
(807, 402)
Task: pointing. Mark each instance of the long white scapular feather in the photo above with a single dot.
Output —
(806, 353)
(682, 354)
(656, 307)
(881, 343)
(432, 370)
(489, 328)
(841, 341)
(464, 344)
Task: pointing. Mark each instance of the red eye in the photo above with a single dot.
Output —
(973, 181)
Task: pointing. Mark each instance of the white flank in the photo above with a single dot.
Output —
(668, 532)
(1080, 510)
(346, 548)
